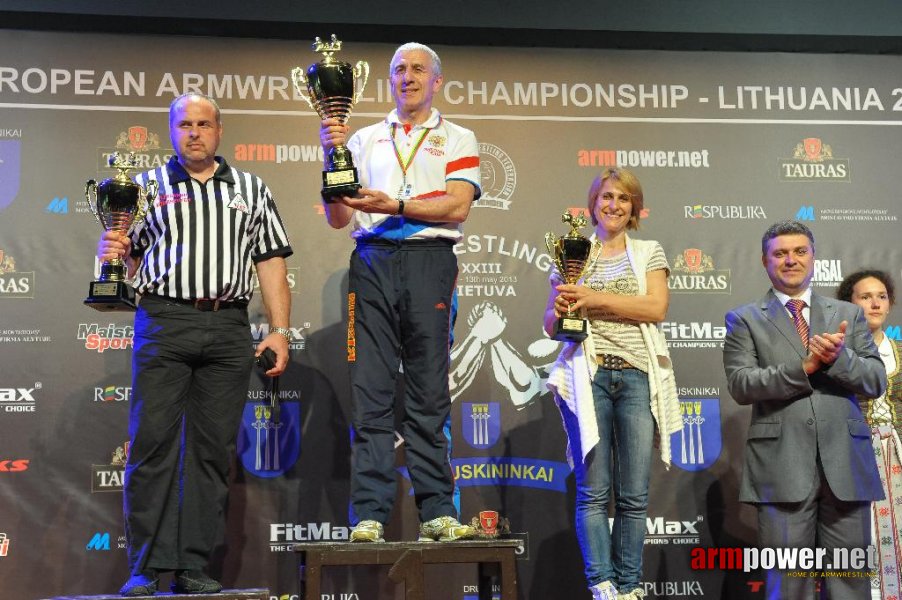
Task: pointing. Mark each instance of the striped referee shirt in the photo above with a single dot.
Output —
(200, 240)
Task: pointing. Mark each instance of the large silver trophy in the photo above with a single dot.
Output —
(332, 87)
(119, 204)
(570, 255)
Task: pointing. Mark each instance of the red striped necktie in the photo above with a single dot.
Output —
(795, 307)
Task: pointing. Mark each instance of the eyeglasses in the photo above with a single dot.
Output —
(608, 196)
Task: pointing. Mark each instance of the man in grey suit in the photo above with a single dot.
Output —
(809, 465)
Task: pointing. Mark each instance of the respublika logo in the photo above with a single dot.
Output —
(724, 211)
(112, 393)
(109, 337)
(19, 400)
(698, 444)
(812, 160)
(694, 273)
(498, 177)
(673, 159)
(279, 153)
(14, 284)
(694, 334)
(10, 168)
(827, 272)
(142, 143)
(266, 448)
(481, 423)
(109, 478)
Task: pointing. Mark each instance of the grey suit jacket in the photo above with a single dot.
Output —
(795, 417)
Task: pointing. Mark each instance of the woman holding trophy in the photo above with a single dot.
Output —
(613, 383)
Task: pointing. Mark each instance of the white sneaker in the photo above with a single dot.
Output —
(633, 594)
(367, 531)
(604, 591)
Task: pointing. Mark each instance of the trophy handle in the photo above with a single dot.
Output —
(91, 197)
(550, 243)
(361, 75)
(300, 85)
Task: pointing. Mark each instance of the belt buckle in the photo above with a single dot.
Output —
(206, 304)
(614, 363)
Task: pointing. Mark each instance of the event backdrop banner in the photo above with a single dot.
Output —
(724, 144)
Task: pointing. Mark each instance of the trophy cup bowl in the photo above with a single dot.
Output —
(118, 204)
(570, 255)
(331, 88)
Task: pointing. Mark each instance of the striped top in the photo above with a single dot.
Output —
(612, 334)
(433, 153)
(201, 240)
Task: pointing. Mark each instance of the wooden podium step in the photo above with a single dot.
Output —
(250, 594)
(495, 560)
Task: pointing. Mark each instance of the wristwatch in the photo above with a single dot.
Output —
(283, 331)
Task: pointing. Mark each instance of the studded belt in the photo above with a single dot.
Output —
(615, 363)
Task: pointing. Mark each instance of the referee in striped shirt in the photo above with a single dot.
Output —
(192, 261)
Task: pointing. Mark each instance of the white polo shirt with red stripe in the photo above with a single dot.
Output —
(435, 152)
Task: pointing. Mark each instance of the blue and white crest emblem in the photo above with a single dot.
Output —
(269, 449)
(698, 444)
(481, 423)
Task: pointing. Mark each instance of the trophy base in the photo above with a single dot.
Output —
(570, 329)
(339, 183)
(107, 296)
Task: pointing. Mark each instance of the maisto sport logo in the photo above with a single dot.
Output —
(109, 337)
(694, 334)
(112, 393)
(694, 273)
(812, 160)
(283, 535)
(673, 159)
(14, 466)
(4, 544)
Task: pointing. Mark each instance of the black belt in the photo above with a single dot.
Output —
(201, 304)
(414, 243)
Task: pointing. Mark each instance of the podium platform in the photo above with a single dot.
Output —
(249, 594)
(494, 558)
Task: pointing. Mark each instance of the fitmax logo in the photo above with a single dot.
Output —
(58, 206)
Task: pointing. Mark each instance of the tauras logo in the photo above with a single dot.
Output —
(694, 272)
(812, 160)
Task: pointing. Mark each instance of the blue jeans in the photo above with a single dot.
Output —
(626, 428)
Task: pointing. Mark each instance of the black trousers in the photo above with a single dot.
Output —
(190, 373)
(399, 314)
